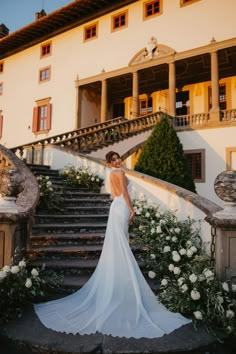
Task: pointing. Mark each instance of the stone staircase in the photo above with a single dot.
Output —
(69, 239)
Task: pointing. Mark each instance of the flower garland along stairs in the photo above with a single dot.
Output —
(68, 239)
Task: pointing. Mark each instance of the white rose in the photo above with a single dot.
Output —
(92, 179)
(225, 286)
(193, 278)
(152, 256)
(177, 230)
(157, 215)
(176, 257)
(158, 230)
(140, 227)
(189, 253)
(229, 314)
(97, 179)
(195, 295)
(166, 249)
(153, 222)
(28, 283)
(147, 215)
(171, 267)
(22, 264)
(208, 273)
(49, 184)
(151, 274)
(3, 274)
(184, 288)
(174, 239)
(152, 230)
(189, 243)
(47, 178)
(201, 277)
(162, 222)
(15, 269)
(177, 270)
(220, 299)
(181, 281)
(167, 238)
(174, 252)
(34, 272)
(182, 251)
(164, 282)
(194, 249)
(198, 315)
(6, 268)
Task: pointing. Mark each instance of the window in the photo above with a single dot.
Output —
(42, 117)
(145, 106)
(1, 88)
(196, 162)
(119, 21)
(222, 97)
(45, 74)
(187, 2)
(1, 67)
(1, 124)
(152, 8)
(46, 49)
(90, 32)
(231, 159)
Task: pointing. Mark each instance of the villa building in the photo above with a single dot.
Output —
(95, 60)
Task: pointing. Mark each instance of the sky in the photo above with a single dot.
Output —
(16, 14)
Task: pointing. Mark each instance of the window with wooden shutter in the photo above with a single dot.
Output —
(1, 124)
(42, 117)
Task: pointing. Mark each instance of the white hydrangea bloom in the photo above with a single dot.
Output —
(181, 281)
(189, 253)
(34, 272)
(147, 215)
(184, 288)
(171, 267)
(3, 274)
(22, 264)
(151, 274)
(166, 249)
(195, 295)
(6, 268)
(164, 282)
(177, 230)
(193, 278)
(15, 269)
(176, 257)
(182, 251)
(198, 315)
(177, 270)
(28, 283)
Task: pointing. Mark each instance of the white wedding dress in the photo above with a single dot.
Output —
(116, 300)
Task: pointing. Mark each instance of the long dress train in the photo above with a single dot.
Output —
(116, 299)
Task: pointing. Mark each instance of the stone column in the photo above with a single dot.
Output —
(104, 101)
(172, 89)
(77, 104)
(224, 224)
(215, 109)
(135, 96)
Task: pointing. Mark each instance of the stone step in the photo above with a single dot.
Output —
(66, 251)
(70, 218)
(85, 202)
(103, 209)
(66, 227)
(79, 194)
(67, 238)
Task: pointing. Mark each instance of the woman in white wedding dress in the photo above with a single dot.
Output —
(116, 300)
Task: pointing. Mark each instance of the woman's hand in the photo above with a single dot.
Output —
(131, 216)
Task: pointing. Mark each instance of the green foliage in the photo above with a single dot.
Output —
(162, 157)
(81, 177)
(174, 255)
(48, 196)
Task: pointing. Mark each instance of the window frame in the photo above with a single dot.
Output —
(184, 3)
(91, 26)
(221, 101)
(145, 4)
(1, 67)
(229, 150)
(46, 68)
(1, 88)
(42, 55)
(202, 152)
(118, 15)
(37, 119)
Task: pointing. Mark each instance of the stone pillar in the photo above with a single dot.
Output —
(224, 224)
(135, 96)
(77, 104)
(172, 89)
(215, 109)
(104, 101)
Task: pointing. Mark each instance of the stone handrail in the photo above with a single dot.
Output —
(86, 139)
(189, 120)
(228, 115)
(16, 211)
(59, 138)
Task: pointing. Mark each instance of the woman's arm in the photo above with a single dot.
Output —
(124, 191)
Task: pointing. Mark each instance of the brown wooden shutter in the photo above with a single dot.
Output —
(49, 110)
(35, 119)
(1, 125)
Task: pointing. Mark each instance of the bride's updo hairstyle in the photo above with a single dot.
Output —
(110, 155)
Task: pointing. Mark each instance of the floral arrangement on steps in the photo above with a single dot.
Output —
(21, 285)
(48, 196)
(81, 177)
(175, 256)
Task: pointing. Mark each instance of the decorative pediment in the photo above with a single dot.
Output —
(152, 51)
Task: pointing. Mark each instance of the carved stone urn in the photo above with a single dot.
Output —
(11, 184)
(225, 188)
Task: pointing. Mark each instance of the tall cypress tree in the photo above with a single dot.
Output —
(162, 156)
